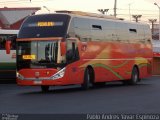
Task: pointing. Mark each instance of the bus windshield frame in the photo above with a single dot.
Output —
(38, 54)
(42, 26)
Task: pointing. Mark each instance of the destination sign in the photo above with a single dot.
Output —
(29, 57)
(45, 24)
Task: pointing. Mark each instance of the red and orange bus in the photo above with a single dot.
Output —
(71, 47)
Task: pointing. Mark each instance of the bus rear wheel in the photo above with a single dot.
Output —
(45, 88)
(87, 80)
(134, 77)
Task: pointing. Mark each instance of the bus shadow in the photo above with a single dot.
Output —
(78, 89)
(54, 91)
(7, 81)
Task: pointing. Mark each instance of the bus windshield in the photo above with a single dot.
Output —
(49, 25)
(37, 54)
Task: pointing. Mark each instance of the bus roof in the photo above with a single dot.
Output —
(95, 15)
(88, 14)
(4, 31)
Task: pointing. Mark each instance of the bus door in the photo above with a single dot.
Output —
(72, 56)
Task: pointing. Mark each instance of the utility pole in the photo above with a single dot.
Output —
(152, 23)
(130, 10)
(115, 8)
(136, 17)
(103, 11)
(159, 17)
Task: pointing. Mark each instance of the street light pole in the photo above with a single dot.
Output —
(152, 22)
(130, 10)
(159, 17)
(115, 8)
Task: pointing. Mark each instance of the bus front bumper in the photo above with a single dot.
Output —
(40, 82)
(58, 78)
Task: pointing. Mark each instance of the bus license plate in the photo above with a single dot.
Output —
(37, 82)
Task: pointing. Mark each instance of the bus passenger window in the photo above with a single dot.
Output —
(13, 41)
(2, 43)
(13, 45)
(3, 39)
(97, 27)
(72, 52)
(133, 30)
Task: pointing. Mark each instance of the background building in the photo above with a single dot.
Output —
(156, 57)
(12, 18)
(155, 34)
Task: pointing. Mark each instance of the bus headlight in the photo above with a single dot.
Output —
(19, 76)
(59, 74)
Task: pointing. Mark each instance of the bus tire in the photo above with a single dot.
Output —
(87, 79)
(45, 88)
(134, 77)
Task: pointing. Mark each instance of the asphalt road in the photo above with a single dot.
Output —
(112, 98)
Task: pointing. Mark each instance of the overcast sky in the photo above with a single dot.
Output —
(144, 7)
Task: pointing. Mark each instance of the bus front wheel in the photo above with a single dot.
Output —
(44, 88)
(87, 80)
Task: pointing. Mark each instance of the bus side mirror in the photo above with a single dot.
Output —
(63, 48)
(8, 46)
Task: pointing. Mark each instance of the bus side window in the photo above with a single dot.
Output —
(13, 45)
(72, 52)
(2, 43)
(3, 39)
(13, 42)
